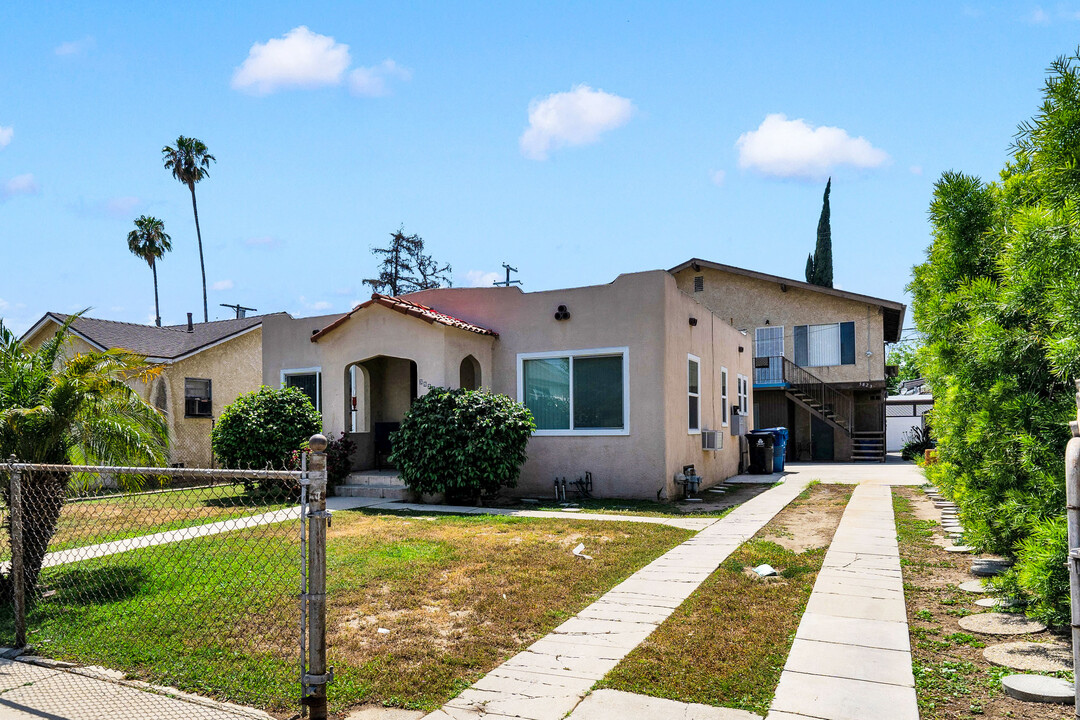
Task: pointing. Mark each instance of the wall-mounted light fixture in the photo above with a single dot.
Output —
(783, 287)
(562, 313)
(766, 321)
(740, 348)
(693, 322)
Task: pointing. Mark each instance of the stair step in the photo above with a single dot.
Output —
(374, 477)
(390, 492)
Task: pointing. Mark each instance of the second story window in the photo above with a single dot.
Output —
(198, 400)
(824, 345)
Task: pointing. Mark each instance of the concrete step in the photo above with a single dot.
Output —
(375, 477)
(390, 492)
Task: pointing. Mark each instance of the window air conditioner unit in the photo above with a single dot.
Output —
(712, 440)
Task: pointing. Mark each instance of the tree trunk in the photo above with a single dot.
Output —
(157, 308)
(43, 499)
(202, 265)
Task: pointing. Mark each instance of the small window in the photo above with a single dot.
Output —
(723, 397)
(198, 400)
(743, 388)
(825, 345)
(693, 392)
(307, 383)
(699, 283)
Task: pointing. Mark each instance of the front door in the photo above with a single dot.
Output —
(821, 440)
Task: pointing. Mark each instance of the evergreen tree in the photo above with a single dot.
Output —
(819, 265)
(405, 268)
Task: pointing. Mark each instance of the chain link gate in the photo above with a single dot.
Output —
(164, 592)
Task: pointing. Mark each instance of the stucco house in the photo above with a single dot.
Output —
(205, 366)
(630, 381)
(819, 355)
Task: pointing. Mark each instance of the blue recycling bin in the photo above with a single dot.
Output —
(780, 436)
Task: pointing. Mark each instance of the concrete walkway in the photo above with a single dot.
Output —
(851, 658)
(550, 678)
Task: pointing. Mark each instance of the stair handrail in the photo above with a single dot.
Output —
(841, 404)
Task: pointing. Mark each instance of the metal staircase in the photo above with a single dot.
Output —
(834, 406)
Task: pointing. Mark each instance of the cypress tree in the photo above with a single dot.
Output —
(810, 268)
(822, 259)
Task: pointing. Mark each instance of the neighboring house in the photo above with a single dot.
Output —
(819, 366)
(204, 367)
(906, 411)
(630, 381)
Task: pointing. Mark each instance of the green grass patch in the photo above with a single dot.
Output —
(218, 615)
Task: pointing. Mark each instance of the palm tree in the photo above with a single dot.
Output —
(190, 163)
(149, 242)
(65, 408)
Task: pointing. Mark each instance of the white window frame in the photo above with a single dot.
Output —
(571, 354)
(724, 406)
(316, 371)
(693, 359)
(743, 389)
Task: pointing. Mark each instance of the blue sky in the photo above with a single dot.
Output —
(574, 141)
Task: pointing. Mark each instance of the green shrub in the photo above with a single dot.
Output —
(262, 428)
(462, 442)
(918, 442)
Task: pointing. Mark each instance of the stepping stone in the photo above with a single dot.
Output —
(994, 603)
(1038, 688)
(959, 548)
(989, 568)
(1031, 656)
(975, 586)
(1000, 624)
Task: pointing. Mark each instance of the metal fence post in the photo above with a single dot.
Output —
(1072, 500)
(18, 574)
(318, 675)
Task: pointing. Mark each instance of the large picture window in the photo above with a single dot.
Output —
(584, 392)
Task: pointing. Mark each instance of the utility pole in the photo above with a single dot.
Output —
(508, 282)
(241, 311)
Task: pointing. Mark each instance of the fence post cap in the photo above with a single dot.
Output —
(317, 443)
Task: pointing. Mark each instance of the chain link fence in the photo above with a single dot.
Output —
(168, 592)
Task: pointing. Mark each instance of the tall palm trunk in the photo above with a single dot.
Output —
(157, 308)
(202, 265)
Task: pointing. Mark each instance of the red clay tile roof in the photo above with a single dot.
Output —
(408, 307)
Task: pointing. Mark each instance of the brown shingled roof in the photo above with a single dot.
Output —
(408, 307)
(167, 343)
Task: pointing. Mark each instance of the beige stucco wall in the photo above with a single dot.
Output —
(748, 302)
(647, 314)
(436, 349)
(234, 367)
(287, 344)
(717, 344)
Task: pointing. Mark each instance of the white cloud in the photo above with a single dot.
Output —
(222, 285)
(75, 47)
(916, 169)
(1039, 17)
(717, 176)
(316, 305)
(20, 185)
(479, 278)
(121, 207)
(577, 117)
(299, 59)
(371, 81)
(6, 133)
(795, 148)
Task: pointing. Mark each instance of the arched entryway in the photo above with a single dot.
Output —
(381, 390)
(469, 373)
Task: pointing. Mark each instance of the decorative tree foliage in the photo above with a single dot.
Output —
(819, 265)
(997, 304)
(149, 242)
(64, 408)
(189, 162)
(261, 429)
(405, 268)
(462, 442)
(905, 356)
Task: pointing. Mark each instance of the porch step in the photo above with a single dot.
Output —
(387, 478)
(390, 492)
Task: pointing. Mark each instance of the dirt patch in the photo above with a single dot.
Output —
(952, 678)
(809, 522)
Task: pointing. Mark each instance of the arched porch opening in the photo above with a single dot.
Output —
(469, 373)
(381, 390)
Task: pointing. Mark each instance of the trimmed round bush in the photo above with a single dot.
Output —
(463, 443)
(261, 429)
